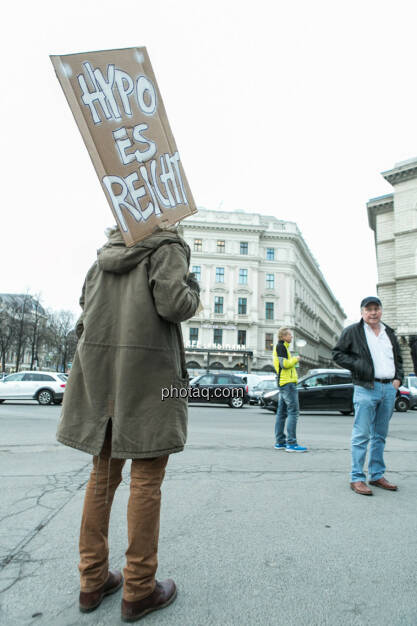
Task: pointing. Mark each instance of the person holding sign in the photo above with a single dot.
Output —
(288, 407)
(130, 346)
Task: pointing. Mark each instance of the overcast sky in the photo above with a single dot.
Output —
(287, 109)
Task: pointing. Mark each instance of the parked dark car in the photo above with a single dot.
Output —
(323, 390)
(219, 388)
(327, 390)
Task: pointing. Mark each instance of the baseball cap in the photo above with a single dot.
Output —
(371, 300)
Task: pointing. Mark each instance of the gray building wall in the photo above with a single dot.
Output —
(393, 219)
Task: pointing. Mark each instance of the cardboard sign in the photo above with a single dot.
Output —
(114, 97)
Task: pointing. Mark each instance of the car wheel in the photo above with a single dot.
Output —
(347, 412)
(1, 401)
(401, 404)
(236, 403)
(44, 397)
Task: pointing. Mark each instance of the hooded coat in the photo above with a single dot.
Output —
(130, 348)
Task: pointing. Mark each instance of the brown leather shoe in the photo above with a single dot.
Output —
(90, 600)
(361, 488)
(384, 484)
(164, 593)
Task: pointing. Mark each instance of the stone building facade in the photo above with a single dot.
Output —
(393, 218)
(256, 274)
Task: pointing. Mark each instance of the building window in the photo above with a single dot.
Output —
(198, 245)
(242, 306)
(219, 274)
(221, 246)
(196, 270)
(269, 341)
(241, 337)
(270, 254)
(243, 277)
(243, 247)
(218, 304)
(193, 336)
(270, 281)
(269, 310)
(218, 336)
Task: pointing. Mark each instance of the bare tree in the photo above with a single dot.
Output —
(37, 332)
(19, 309)
(7, 334)
(62, 338)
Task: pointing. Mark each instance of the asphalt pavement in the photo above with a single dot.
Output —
(250, 534)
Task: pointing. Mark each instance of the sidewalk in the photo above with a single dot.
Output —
(251, 535)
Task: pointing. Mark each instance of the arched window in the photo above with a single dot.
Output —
(268, 368)
(192, 365)
(217, 365)
(240, 366)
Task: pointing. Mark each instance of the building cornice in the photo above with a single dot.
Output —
(390, 240)
(406, 277)
(223, 227)
(401, 172)
(405, 232)
(378, 206)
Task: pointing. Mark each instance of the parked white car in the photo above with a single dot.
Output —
(45, 387)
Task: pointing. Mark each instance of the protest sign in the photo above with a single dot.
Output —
(114, 97)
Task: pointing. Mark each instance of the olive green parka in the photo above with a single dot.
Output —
(130, 348)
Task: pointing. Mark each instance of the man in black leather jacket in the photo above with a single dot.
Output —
(370, 350)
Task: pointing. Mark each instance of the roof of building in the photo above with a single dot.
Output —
(13, 299)
(258, 223)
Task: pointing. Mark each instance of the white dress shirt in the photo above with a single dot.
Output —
(381, 351)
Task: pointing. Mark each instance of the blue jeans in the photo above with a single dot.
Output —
(373, 410)
(287, 410)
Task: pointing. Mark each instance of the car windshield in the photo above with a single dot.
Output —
(412, 381)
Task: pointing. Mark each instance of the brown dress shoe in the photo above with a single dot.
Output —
(361, 488)
(90, 600)
(384, 484)
(163, 594)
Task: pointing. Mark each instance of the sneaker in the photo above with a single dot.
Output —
(280, 446)
(295, 448)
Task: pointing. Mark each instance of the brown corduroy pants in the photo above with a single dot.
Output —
(143, 513)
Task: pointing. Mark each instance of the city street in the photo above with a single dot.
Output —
(250, 534)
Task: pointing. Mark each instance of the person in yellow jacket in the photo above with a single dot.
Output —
(288, 408)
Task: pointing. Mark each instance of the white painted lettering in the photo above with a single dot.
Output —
(123, 142)
(147, 154)
(137, 193)
(107, 88)
(125, 86)
(119, 200)
(175, 158)
(151, 191)
(91, 97)
(168, 175)
(144, 86)
(164, 201)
